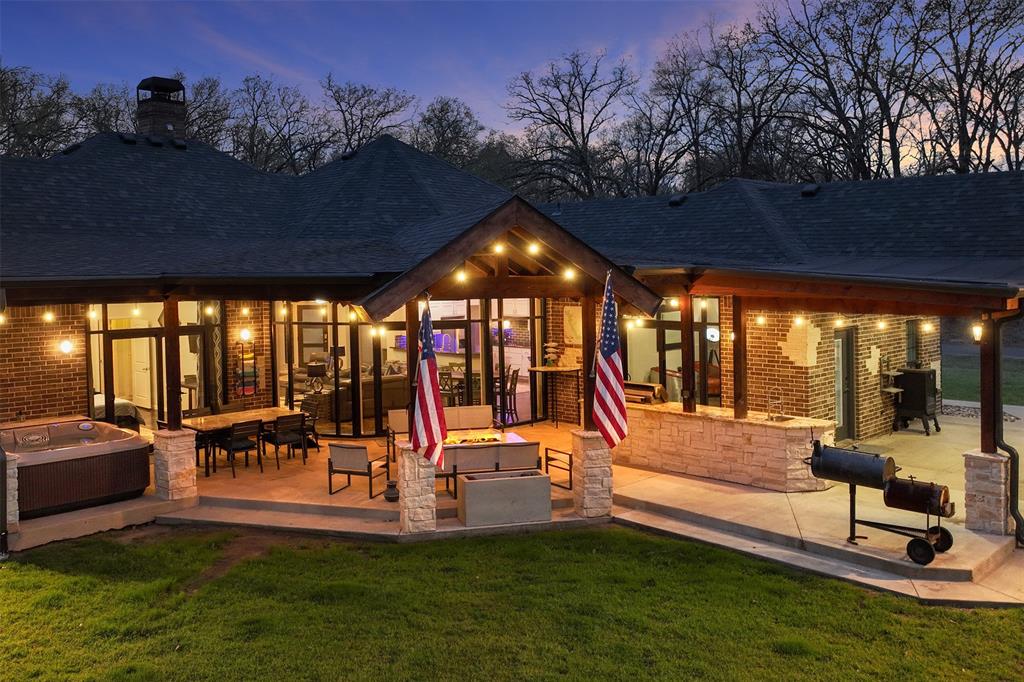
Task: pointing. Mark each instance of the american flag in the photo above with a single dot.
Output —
(428, 427)
(609, 392)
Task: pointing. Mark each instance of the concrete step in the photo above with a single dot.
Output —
(939, 592)
(863, 554)
(336, 525)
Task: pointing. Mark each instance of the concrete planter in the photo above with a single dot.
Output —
(504, 497)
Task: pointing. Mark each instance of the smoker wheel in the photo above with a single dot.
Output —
(920, 551)
(945, 538)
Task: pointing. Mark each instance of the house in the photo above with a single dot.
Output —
(149, 278)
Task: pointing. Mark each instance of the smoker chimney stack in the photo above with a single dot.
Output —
(161, 107)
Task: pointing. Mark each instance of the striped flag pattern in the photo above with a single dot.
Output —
(609, 390)
(428, 427)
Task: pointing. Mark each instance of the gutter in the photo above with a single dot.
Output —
(1010, 451)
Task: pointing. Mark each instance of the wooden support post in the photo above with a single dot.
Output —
(412, 337)
(589, 348)
(688, 386)
(990, 396)
(739, 359)
(172, 361)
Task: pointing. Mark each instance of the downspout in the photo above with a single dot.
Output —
(1012, 453)
(3, 505)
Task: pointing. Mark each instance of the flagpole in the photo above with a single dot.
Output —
(597, 348)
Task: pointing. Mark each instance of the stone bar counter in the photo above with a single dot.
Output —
(713, 444)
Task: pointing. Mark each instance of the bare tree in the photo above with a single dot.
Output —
(447, 128)
(755, 85)
(106, 108)
(208, 112)
(36, 113)
(975, 53)
(569, 108)
(364, 112)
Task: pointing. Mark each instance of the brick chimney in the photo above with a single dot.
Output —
(161, 107)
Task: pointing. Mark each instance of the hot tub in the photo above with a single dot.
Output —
(72, 465)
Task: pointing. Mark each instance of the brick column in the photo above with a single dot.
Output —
(591, 474)
(417, 503)
(12, 494)
(174, 464)
(987, 492)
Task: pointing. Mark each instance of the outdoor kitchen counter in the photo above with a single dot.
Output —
(714, 444)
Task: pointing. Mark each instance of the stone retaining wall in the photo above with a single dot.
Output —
(711, 444)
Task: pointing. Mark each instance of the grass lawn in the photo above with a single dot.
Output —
(599, 603)
(960, 376)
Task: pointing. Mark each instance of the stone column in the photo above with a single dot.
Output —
(987, 492)
(12, 494)
(591, 474)
(417, 503)
(174, 464)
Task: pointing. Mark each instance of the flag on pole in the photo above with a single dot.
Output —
(609, 391)
(428, 428)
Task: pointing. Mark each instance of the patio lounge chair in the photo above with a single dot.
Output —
(290, 431)
(354, 460)
(561, 460)
(242, 437)
(467, 459)
(513, 456)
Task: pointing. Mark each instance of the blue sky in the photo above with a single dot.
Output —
(468, 50)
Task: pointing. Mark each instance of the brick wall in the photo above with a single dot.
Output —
(258, 323)
(800, 360)
(36, 378)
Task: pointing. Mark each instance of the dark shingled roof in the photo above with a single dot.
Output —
(948, 228)
(111, 209)
(123, 207)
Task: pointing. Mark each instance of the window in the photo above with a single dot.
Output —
(912, 339)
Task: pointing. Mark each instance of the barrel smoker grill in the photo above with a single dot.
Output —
(874, 471)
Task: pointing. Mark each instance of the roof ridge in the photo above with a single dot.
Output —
(786, 238)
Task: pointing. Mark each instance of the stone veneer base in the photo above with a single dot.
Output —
(712, 444)
(987, 492)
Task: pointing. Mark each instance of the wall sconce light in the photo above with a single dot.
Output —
(208, 310)
(882, 325)
(284, 311)
(927, 327)
(66, 346)
(798, 320)
(703, 303)
(245, 312)
(460, 276)
(373, 331)
(48, 316)
(674, 302)
(352, 316)
(640, 322)
(569, 274)
(92, 315)
(840, 322)
(760, 320)
(533, 249)
(3, 319)
(499, 248)
(245, 335)
(630, 324)
(977, 330)
(732, 336)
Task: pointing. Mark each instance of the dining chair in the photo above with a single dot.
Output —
(511, 390)
(445, 385)
(290, 431)
(350, 460)
(242, 437)
(311, 407)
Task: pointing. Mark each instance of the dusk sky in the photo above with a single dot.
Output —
(468, 50)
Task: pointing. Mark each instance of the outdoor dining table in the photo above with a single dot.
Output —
(212, 423)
